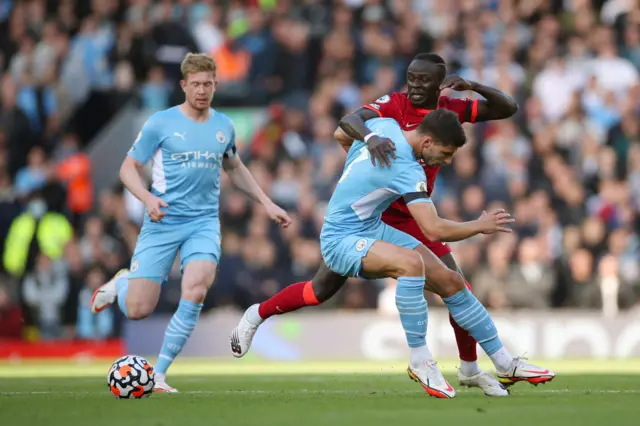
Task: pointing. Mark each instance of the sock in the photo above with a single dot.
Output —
(178, 331)
(289, 299)
(122, 286)
(502, 360)
(412, 307)
(470, 368)
(253, 316)
(469, 313)
(420, 354)
(467, 347)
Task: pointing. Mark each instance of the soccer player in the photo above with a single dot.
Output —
(356, 243)
(425, 80)
(189, 145)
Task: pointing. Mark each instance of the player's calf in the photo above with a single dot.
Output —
(326, 283)
(197, 278)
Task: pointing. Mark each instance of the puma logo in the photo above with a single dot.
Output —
(180, 135)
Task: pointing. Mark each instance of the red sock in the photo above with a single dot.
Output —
(466, 343)
(289, 299)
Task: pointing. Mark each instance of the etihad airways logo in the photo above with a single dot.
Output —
(198, 159)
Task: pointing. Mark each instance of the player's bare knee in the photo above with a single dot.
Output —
(411, 265)
(196, 292)
(138, 309)
(450, 283)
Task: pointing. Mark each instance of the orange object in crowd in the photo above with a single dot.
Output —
(232, 65)
(75, 170)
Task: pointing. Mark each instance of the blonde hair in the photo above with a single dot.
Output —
(197, 62)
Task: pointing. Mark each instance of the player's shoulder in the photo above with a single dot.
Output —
(389, 128)
(393, 97)
(159, 118)
(385, 127)
(221, 118)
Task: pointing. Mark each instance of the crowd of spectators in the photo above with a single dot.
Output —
(567, 165)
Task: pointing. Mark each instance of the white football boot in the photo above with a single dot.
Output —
(242, 336)
(483, 380)
(162, 386)
(106, 294)
(428, 375)
(521, 371)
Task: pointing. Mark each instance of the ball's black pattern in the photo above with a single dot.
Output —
(131, 377)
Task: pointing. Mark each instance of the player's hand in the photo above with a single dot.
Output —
(381, 149)
(154, 208)
(278, 215)
(496, 221)
(456, 83)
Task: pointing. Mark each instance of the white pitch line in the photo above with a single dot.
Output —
(321, 392)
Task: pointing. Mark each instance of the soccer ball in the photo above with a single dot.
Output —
(131, 377)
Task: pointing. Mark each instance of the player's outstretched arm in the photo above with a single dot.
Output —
(498, 105)
(243, 180)
(352, 127)
(436, 228)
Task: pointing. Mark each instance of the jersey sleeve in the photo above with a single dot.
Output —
(231, 150)
(147, 142)
(411, 183)
(467, 109)
(387, 106)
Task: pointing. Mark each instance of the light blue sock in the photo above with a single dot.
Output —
(412, 306)
(122, 286)
(469, 314)
(178, 331)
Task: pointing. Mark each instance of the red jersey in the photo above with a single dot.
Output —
(399, 107)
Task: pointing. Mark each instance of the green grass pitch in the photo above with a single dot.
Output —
(370, 394)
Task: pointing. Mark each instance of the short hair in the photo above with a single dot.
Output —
(430, 57)
(197, 62)
(444, 126)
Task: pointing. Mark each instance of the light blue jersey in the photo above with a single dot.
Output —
(186, 160)
(186, 166)
(353, 220)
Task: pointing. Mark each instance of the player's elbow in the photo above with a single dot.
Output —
(129, 165)
(511, 108)
(339, 134)
(345, 123)
(508, 109)
(431, 232)
(433, 236)
(125, 169)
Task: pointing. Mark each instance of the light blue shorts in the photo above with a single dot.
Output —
(343, 254)
(158, 245)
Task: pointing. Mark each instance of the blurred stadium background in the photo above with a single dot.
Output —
(79, 77)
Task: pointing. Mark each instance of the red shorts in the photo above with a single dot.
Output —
(409, 226)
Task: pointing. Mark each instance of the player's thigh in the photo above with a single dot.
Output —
(200, 255)
(155, 251)
(326, 283)
(142, 297)
(439, 278)
(389, 260)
